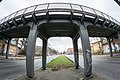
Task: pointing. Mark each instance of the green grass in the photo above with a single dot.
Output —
(60, 62)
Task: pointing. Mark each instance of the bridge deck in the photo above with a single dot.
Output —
(58, 21)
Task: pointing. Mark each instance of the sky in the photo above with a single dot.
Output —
(60, 43)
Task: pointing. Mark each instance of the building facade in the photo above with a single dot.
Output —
(98, 47)
(13, 50)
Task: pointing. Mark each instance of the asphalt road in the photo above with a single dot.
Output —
(104, 66)
(10, 69)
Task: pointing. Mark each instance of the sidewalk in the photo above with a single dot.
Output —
(64, 74)
(17, 58)
(2, 57)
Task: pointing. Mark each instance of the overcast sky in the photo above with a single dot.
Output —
(61, 44)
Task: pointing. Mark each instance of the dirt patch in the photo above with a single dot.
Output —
(61, 66)
(64, 74)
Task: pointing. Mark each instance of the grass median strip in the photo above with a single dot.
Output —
(60, 62)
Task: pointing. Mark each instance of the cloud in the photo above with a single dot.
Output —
(60, 43)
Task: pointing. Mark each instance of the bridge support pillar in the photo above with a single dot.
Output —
(119, 40)
(86, 50)
(118, 36)
(8, 47)
(30, 51)
(110, 47)
(44, 50)
(76, 55)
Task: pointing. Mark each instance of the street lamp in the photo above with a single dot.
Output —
(117, 1)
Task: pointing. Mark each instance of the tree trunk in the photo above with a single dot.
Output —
(101, 40)
(3, 47)
(17, 39)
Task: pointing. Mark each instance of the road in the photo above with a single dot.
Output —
(9, 69)
(104, 66)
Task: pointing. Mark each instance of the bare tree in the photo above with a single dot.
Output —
(101, 47)
(100, 44)
(23, 45)
(3, 47)
(17, 40)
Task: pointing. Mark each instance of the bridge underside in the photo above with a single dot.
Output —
(48, 30)
(59, 29)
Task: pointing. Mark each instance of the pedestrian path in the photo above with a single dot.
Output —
(17, 58)
(64, 74)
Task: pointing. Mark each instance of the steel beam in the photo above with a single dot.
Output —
(30, 51)
(8, 47)
(86, 50)
(110, 47)
(104, 22)
(96, 19)
(44, 49)
(76, 55)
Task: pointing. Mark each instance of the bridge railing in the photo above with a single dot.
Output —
(59, 8)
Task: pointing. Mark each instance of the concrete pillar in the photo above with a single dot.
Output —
(110, 47)
(119, 40)
(118, 36)
(86, 50)
(76, 55)
(8, 47)
(44, 50)
(30, 51)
